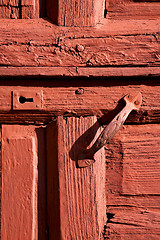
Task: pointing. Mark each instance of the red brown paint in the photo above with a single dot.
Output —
(23, 204)
(125, 44)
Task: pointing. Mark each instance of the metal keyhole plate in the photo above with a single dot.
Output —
(27, 100)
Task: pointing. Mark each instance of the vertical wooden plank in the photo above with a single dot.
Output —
(9, 9)
(30, 9)
(75, 12)
(16, 9)
(81, 192)
(20, 184)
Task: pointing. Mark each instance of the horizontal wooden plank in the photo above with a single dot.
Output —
(134, 10)
(132, 223)
(118, 71)
(97, 98)
(39, 29)
(47, 45)
(80, 71)
(136, 217)
(109, 51)
(79, 98)
(68, 98)
(46, 71)
(27, 118)
(44, 118)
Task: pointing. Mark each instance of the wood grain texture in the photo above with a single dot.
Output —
(75, 12)
(45, 118)
(97, 98)
(132, 184)
(23, 213)
(110, 51)
(130, 9)
(80, 71)
(81, 192)
(80, 100)
(16, 9)
(133, 223)
(30, 9)
(142, 161)
(9, 9)
(45, 45)
(19, 198)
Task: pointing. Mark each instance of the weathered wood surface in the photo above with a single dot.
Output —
(134, 223)
(130, 9)
(9, 9)
(30, 9)
(132, 187)
(23, 203)
(45, 118)
(80, 100)
(80, 71)
(42, 44)
(98, 98)
(79, 198)
(75, 12)
(16, 9)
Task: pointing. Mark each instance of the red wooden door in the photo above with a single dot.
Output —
(43, 193)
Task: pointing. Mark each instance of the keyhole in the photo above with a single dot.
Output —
(23, 99)
(105, 9)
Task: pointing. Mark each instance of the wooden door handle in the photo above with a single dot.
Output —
(133, 102)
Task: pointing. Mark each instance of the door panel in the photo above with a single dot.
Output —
(133, 176)
(23, 188)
